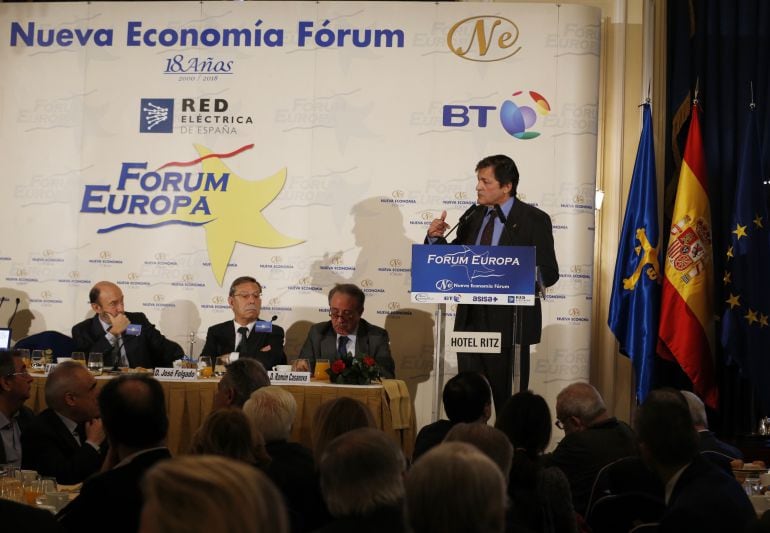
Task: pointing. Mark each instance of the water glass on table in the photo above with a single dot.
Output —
(321, 366)
(79, 357)
(205, 369)
(221, 365)
(95, 363)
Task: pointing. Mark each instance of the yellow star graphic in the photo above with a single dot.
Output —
(730, 252)
(727, 279)
(236, 213)
(762, 320)
(740, 231)
(758, 222)
(733, 301)
(751, 317)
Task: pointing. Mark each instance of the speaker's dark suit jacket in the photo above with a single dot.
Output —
(49, 447)
(525, 226)
(25, 418)
(371, 340)
(111, 501)
(148, 349)
(220, 340)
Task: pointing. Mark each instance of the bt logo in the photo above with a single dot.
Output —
(515, 118)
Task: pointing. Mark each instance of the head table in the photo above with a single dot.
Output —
(189, 402)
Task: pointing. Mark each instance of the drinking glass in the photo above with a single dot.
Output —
(95, 363)
(79, 357)
(321, 366)
(38, 360)
(33, 488)
(24, 354)
(204, 367)
(221, 363)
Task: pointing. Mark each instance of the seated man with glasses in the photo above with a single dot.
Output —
(246, 334)
(348, 333)
(15, 383)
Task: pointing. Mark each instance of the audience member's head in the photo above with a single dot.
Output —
(467, 398)
(271, 410)
(362, 471)
(455, 488)
(133, 411)
(227, 432)
(242, 377)
(526, 420)
(335, 417)
(15, 382)
(578, 406)
(491, 441)
(70, 390)
(697, 410)
(203, 493)
(667, 437)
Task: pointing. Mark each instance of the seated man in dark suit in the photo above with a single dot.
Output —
(246, 334)
(133, 411)
(699, 496)
(707, 441)
(467, 398)
(592, 439)
(114, 332)
(347, 332)
(65, 440)
(15, 417)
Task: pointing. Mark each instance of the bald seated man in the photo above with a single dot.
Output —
(113, 331)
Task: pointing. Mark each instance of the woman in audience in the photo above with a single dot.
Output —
(335, 417)
(455, 488)
(227, 432)
(207, 493)
(540, 497)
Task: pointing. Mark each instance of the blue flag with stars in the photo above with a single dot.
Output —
(746, 281)
(635, 301)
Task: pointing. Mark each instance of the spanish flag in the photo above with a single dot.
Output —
(686, 331)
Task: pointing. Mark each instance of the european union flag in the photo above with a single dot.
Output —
(746, 287)
(635, 301)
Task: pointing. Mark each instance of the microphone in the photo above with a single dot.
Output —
(3, 299)
(500, 213)
(465, 216)
(13, 315)
(275, 317)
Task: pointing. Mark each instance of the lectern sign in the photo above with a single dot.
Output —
(498, 275)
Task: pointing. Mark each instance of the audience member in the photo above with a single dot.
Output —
(15, 417)
(335, 417)
(22, 518)
(65, 441)
(347, 332)
(707, 441)
(592, 439)
(246, 333)
(228, 433)
(540, 496)
(271, 410)
(133, 412)
(467, 398)
(362, 483)
(699, 496)
(242, 377)
(201, 494)
(455, 488)
(116, 333)
(490, 441)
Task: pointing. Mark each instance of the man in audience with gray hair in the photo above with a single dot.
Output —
(593, 439)
(242, 377)
(362, 481)
(707, 441)
(66, 440)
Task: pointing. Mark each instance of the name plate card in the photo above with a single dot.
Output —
(474, 342)
(177, 374)
(288, 377)
(49, 368)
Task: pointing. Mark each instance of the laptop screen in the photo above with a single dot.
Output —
(5, 338)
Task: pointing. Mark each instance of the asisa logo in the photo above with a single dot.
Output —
(517, 115)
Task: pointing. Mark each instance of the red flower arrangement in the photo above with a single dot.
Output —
(358, 370)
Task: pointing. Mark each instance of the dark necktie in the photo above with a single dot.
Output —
(80, 431)
(486, 234)
(244, 331)
(342, 347)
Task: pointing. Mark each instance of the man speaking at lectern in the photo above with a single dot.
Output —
(522, 225)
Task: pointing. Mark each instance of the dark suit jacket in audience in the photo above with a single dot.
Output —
(24, 418)
(708, 442)
(430, 436)
(148, 349)
(582, 454)
(20, 518)
(706, 499)
(111, 501)
(50, 448)
(382, 520)
(220, 340)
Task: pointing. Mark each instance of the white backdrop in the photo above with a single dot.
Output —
(335, 133)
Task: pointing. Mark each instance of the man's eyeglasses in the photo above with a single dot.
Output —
(14, 374)
(346, 314)
(247, 295)
(559, 424)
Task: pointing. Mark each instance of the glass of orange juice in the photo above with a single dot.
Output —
(205, 370)
(321, 366)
